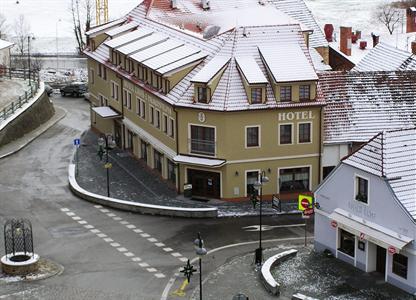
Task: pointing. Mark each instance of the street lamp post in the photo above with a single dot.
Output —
(57, 48)
(28, 55)
(200, 251)
(259, 185)
(109, 143)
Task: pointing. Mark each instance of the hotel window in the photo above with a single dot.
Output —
(101, 97)
(165, 124)
(347, 243)
(138, 107)
(256, 95)
(304, 92)
(157, 119)
(251, 178)
(171, 129)
(294, 180)
(171, 172)
(114, 91)
(202, 94)
(253, 136)
(92, 79)
(285, 134)
(202, 140)
(285, 93)
(361, 189)
(152, 115)
(127, 99)
(114, 57)
(142, 109)
(304, 133)
(143, 150)
(400, 265)
(157, 162)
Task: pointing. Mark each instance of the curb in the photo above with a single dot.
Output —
(137, 207)
(31, 139)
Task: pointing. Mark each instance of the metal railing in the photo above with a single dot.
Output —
(27, 93)
(204, 147)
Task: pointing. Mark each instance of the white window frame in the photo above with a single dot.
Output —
(189, 139)
(294, 167)
(259, 136)
(356, 188)
(114, 91)
(165, 124)
(292, 134)
(101, 99)
(298, 133)
(245, 179)
(143, 109)
(171, 129)
(138, 108)
(157, 122)
(152, 115)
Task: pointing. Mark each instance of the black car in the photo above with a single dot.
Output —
(48, 89)
(75, 89)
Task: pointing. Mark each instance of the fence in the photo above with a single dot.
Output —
(32, 77)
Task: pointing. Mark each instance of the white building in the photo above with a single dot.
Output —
(5, 47)
(367, 209)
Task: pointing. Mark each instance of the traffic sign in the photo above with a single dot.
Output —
(362, 236)
(392, 250)
(304, 202)
(108, 165)
(77, 142)
(334, 224)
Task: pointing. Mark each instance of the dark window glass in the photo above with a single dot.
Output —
(286, 134)
(252, 137)
(294, 180)
(326, 171)
(202, 140)
(171, 172)
(362, 190)
(157, 163)
(202, 95)
(285, 93)
(400, 265)
(251, 179)
(347, 243)
(143, 150)
(165, 124)
(172, 128)
(152, 115)
(305, 133)
(256, 95)
(157, 119)
(304, 92)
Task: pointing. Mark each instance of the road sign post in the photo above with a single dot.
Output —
(77, 143)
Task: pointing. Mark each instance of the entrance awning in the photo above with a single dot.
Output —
(106, 112)
(369, 231)
(199, 161)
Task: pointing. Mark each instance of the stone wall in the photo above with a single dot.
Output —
(38, 113)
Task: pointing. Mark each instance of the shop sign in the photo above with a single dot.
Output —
(334, 224)
(392, 250)
(298, 115)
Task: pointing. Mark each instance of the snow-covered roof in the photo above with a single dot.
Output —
(318, 61)
(120, 29)
(143, 43)
(181, 63)
(199, 161)
(170, 57)
(212, 68)
(106, 112)
(361, 104)
(250, 70)
(287, 62)
(5, 44)
(101, 28)
(164, 44)
(384, 57)
(128, 37)
(391, 154)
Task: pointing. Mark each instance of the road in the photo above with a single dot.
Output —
(107, 254)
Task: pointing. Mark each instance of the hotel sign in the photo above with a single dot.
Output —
(296, 116)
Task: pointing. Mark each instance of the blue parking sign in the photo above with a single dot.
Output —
(77, 142)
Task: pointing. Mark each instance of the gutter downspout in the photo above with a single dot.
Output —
(177, 148)
(320, 146)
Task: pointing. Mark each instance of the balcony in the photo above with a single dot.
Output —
(203, 147)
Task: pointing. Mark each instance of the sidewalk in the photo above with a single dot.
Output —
(131, 180)
(25, 140)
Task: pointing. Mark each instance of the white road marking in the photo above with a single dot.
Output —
(144, 265)
(129, 254)
(151, 270)
(104, 210)
(102, 235)
(160, 244)
(82, 222)
(64, 209)
(168, 249)
(130, 226)
(76, 218)
(124, 222)
(122, 249)
(95, 231)
(70, 214)
(108, 240)
(115, 244)
(152, 240)
(111, 215)
(176, 254)
(159, 275)
(98, 206)
(145, 235)
(117, 219)
(138, 230)
(89, 226)
(136, 259)
(184, 259)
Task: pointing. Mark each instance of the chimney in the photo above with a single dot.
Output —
(411, 19)
(345, 43)
(376, 38)
(329, 31)
(414, 47)
(205, 4)
(363, 45)
(354, 38)
(174, 4)
(358, 34)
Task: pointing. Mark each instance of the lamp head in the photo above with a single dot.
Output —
(101, 142)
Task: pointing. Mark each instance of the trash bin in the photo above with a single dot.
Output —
(187, 190)
(240, 297)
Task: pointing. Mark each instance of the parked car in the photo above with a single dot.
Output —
(75, 89)
(48, 89)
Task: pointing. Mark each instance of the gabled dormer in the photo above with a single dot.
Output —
(253, 79)
(206, 80)
(97, 35)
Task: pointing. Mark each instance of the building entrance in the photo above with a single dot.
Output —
(381, 260)
(204, 184)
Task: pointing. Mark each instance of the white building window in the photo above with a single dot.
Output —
(361, 189)
(114, 90)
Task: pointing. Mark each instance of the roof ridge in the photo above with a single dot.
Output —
(227, 90)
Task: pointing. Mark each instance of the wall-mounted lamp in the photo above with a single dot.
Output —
(269, 170)
(236, 173)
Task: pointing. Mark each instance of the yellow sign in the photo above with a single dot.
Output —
(108, 165)
(304, 202)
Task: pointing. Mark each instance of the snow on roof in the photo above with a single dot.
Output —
(361, 104)
(128, 37)
(391, 154)
(156, 49)
(318, 61)
(287, 63)
(250, 70)
(106, 112)
(5, 44)
(211, 69)
(101, 28)
(182, 63)
(384, 57)
(170, 56)
(143, 43)
(206, 162)
(123, 28)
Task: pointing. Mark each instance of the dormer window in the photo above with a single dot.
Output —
(202, 94)
(304, 92)
(256, 95)
(286, 93)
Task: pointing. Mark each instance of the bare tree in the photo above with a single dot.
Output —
(388, 16)
(21, 31)
(4, 28)
(81, 13)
